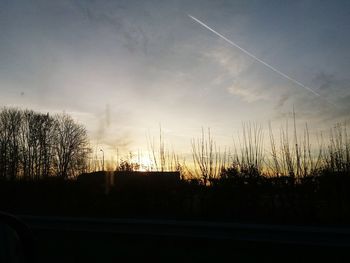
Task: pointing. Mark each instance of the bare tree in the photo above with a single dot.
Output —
(70, 146)
(35, 145)
(207, 159)
(10, 121)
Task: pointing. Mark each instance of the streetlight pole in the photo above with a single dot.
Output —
(103, 159)
(106, 175)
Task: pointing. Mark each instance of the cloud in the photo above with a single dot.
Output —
(232, 67)
(232, 62)
(129, 31)
(331, 107)
(249, 95)
(324, 81)
(336, 90)
(281, 101)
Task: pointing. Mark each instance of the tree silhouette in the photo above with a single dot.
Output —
(35, 145)
(71, 141)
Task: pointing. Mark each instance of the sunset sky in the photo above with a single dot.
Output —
(122, 68)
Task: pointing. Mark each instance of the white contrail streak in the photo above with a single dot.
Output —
(254, 57)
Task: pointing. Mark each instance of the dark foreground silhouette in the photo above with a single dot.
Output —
(182, 220)
(321, 199)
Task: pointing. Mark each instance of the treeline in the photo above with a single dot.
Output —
(289, 156)
(35, 145)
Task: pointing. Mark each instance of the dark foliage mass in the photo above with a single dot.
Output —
(322, 199)
(35, 145)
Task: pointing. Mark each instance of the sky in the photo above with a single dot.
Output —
(124, 68)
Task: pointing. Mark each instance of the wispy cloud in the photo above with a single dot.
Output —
(248, 95)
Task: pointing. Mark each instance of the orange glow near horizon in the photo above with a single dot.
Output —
(145, 163)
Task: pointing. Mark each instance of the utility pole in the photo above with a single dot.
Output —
(103, 159)
(106, 175)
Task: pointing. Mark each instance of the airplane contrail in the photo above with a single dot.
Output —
(254, 57)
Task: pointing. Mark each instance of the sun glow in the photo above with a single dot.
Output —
(144, 162)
